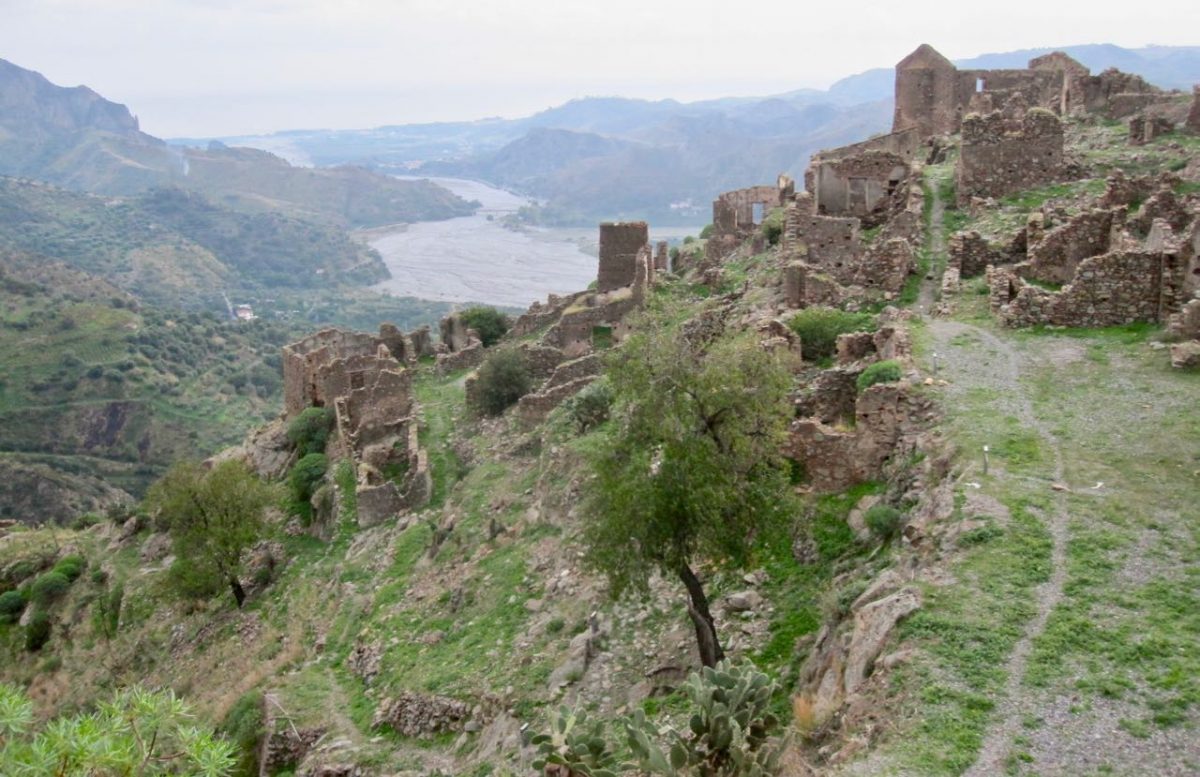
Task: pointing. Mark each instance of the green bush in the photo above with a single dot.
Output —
(12, 604)
(879, 372)
(37, 633)
(307, 474)
(707, 232)
(591, 406)
(772, 226)
(309, 430)
(49, 587)
(819, 328)
(70, 567)
(884, 521)
(243, 726)
(489, 323)
(502, 379)
(106, 612)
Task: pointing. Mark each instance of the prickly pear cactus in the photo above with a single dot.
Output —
(729, 733)
(575, 747)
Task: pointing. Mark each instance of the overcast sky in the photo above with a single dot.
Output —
(224, 67)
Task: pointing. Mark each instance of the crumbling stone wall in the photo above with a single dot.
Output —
(308, 377)
(970, 254)
(827, 242)
(1000, 156)
(460, 348)
(1119, 287)
(734, 212)
(421, 715)
(620, 243)
(1144, 129)
(933, 96)
(1055, 258)
(662, 258)
(859, 184)
(541, 315)
(887, 420)
(369, 389)
(1193, 118)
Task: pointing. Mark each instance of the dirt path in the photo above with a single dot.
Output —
(974, 358)
(937, 248)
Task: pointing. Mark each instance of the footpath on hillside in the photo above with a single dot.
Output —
(1066, 643)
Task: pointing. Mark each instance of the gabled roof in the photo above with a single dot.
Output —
(925, 56)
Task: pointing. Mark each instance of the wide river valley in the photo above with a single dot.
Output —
(476, 259)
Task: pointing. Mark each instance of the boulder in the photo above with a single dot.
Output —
(873, 623)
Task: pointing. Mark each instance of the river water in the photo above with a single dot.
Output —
(475, 259)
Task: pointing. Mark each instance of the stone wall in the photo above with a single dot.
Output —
(826, 242)
(307, 379)
(859, 184)
(887, 419)
(932, 95)
(574, 330)
(1143, 129)
(1001, 156)
(364, 381)
(1055, 258)
(1119, 287)
(541, 315)
(620, 243)
(1193, 118)
(970, 254)
(734, 212)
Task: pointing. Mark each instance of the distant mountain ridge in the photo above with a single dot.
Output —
(611, 157)
(75, 138)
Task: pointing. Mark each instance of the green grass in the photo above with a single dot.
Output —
(803, 586)
(969, 630)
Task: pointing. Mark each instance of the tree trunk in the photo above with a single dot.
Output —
(239, 593)
(702, 619)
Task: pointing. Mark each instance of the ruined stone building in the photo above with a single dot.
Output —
(1105, 267)
(365, 380)
(1004, 152)
(573, 329)
(934, 96)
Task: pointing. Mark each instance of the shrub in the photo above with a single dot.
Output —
(488, 322)
(707, 232)
(70, 567)
(85, 521)
(243, 726)
(309, 430)
(591, 406)
(37, 633)
(772, 226)
(503, 378)
(879, 372)
(884, 521)
(49, 587)
(106, 615)
(306, 474)
(12, 604)
(819, 328)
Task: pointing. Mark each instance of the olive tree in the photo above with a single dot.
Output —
(691, 467)
(214, 516)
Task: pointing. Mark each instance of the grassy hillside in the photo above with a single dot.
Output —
(171, 245)
(102, 387)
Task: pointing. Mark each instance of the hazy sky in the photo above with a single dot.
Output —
(222, 67)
